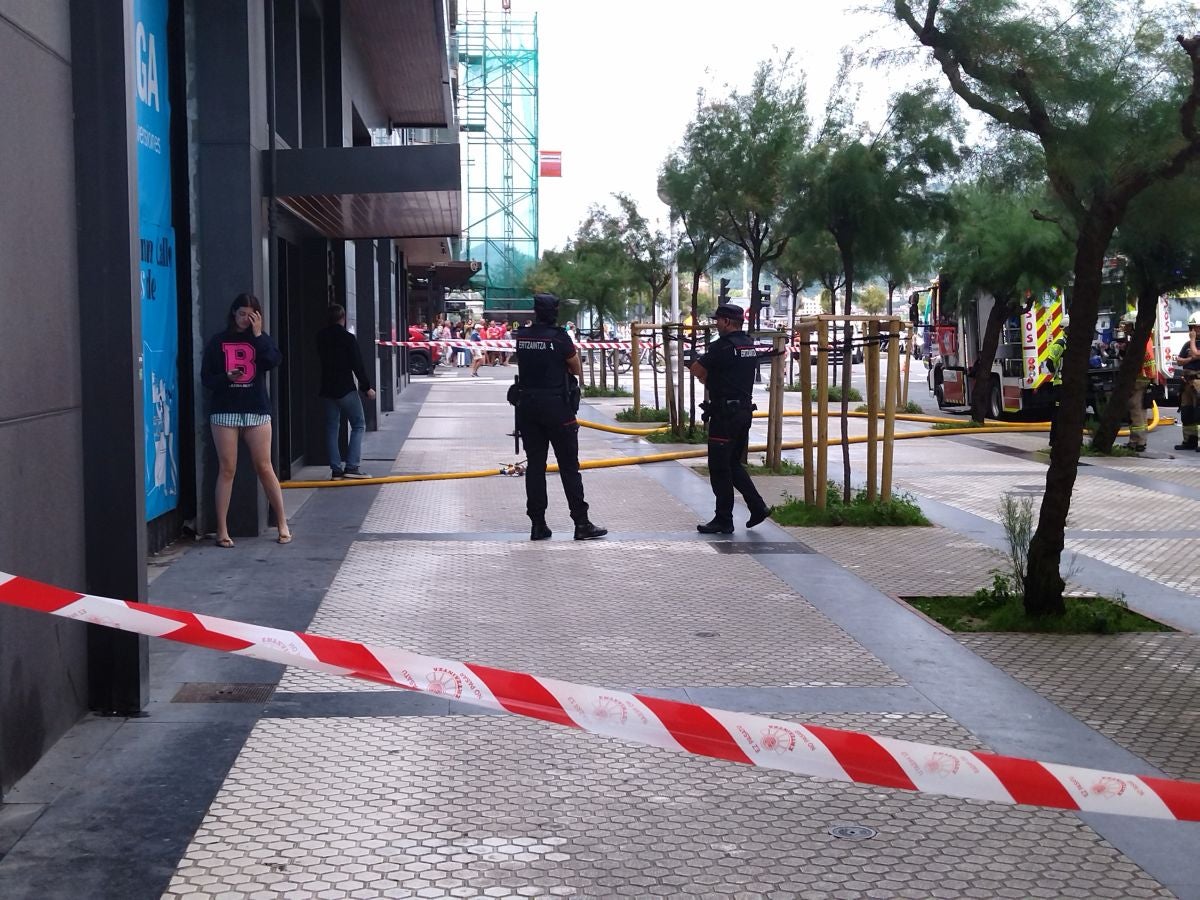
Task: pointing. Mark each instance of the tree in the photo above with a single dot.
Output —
(745, 146)
(650, 253)
(1112, 103)
(911, 259)
(994, 246)
(873, 300)
(791, 269)
(867, 191)
(593, 269)
(1160, 242)
(684, 186)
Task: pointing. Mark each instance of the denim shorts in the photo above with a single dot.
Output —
(239, 420)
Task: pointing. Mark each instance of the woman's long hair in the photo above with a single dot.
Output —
(240, 301)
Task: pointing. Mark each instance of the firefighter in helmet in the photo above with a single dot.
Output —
(1054, 364)
(1139, 398)
(1189, 398)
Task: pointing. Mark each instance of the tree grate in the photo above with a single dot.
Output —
(761, 547)
(223, 692)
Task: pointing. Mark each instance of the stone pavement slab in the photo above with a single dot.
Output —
(346, 792)
(505, 808)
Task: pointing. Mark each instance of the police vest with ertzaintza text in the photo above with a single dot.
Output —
(542, 354)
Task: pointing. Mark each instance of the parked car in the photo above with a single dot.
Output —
(836, 339)
(421, 360)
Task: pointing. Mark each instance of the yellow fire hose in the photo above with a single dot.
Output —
(614, 462)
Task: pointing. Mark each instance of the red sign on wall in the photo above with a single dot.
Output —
(551, 164)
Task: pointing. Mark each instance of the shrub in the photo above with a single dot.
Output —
(900, 510)
(644, 414)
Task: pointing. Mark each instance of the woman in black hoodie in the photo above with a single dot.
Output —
(234, 368)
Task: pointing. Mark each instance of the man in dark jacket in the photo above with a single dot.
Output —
(341, 363)
(546, 417)
(727, 370)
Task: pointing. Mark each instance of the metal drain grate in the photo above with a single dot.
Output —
(756, 547)
(218, 692)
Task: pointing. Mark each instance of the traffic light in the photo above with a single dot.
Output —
(723, 296)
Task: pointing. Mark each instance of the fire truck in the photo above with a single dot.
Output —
(1020, 379)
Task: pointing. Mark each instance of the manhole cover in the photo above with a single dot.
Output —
(223, 692)
(852, 832)
(757, 547)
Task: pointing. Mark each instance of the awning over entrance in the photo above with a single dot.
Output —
(404, 45)
(352, 193)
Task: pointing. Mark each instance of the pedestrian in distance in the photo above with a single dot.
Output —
(1189, 397)
(341, 363)
(1139, 397)
(234, 367)
(547, 398)
(727, 370)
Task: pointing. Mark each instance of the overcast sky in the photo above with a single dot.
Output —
(618, 82)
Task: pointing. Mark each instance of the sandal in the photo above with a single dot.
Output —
(225, 543)
(284, 539)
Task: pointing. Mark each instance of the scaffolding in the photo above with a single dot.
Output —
(498, 58)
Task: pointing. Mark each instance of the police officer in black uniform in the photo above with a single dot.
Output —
(547, 401)
(727, 370)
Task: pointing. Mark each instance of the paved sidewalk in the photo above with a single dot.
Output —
(334, 788)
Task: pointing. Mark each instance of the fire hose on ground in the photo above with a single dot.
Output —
(992, 427)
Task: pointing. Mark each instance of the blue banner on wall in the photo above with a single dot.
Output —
(156, 251)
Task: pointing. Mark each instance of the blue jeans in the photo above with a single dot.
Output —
(351, 407)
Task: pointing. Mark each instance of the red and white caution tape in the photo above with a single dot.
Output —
(503, 344)
(809, 750)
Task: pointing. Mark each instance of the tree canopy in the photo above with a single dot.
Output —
(1111, 99)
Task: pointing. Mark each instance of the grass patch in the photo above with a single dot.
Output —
(998, 608)
(949, 426)
(593, 391)
(901, 510)
(1117, 450)
(644, 414)
(910, 408)
(835, 393)
(788, 468)
(698, 436)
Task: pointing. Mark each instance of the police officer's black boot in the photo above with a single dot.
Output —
(589, 532)
(715, 527)
(758, 516)
(1189, 443)
(540, 530)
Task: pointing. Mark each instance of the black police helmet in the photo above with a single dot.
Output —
(545, 308)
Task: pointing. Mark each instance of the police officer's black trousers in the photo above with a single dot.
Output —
(547, 421)
(728, 436)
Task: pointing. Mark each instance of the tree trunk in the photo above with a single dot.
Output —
(1044, 584)
(792, 339)
(891, 292)
(696, 273)
(981, 387)
(654, 344)
(847, 362)
(1117, 404)
(755, 299)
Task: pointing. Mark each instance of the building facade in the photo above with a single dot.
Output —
(165, 156)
